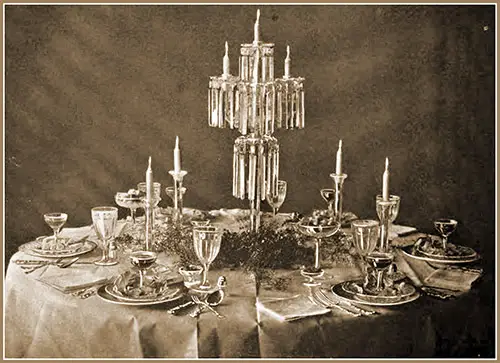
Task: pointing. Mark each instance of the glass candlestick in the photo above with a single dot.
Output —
(178, 177)
(337, 203)
(385, 211)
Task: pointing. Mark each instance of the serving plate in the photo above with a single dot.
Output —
(342, 292)
(415, 252)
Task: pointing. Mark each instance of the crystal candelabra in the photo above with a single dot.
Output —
(256, 103)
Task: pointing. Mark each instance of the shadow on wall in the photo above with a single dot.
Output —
(92, 91)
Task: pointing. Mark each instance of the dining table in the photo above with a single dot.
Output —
(43, 321)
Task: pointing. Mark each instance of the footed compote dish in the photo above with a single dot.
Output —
(132, 199)
(319, 225)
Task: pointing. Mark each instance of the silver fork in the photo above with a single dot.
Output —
(197, 300)
(319, 301)
(330, 300)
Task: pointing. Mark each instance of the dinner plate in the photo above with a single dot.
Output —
(103, 294)
(112, 290)
(76, 248)
(405, 292)
(343, 293)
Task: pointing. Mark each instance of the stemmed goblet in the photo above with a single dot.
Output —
(156, 190)
(365, 235)
(445, 227)
(56, 221)
(275, 200)
(170, 191)
(142, 260)
(104, 220)
(328, 195)
(394, 210)
(207, 240)
(318, 229)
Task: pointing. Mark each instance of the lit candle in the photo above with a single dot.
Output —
(225, 63)
(338, 166)
(177, 156)
(385, 182)
(256, 28)
(287, 62)
(149, 183)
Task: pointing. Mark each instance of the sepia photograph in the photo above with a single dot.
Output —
(249, 181)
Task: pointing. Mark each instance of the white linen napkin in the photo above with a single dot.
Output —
(77, 277)
(290, 308)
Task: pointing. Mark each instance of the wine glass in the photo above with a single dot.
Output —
(328, 196)
(156, 191)
(56, 221)
(142, 260)
(207, 240)
(380, 261)
(445, 227)
(104, 220)
(130, 200)
(318, 229)
(394, 210)
(170, 191)
(275, 200)
(365, 235)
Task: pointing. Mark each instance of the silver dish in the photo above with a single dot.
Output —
(76, 248)
(414, 252)
(339, 291)
(102, 292)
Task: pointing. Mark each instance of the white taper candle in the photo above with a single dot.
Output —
(385, 181)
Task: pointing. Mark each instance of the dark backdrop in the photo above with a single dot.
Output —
(92, 91)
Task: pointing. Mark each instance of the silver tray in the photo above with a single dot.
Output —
(33, 248)
(103, 294)
(339, 291)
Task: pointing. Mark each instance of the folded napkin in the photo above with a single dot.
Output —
(290, 308)
(396, 230)
(454, 279)
(77, 277)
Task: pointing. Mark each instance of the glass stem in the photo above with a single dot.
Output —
(132, 215)
(56, 234)
(380, 274)
(445, 241)
(205, 275)
(105, 250)
(316, 256)
(275, 210)
(330, 209)
(141, 278)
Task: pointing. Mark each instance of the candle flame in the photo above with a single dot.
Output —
(258, 16)
(288, 52)
(386, 163)
(340, 144)
(177, 142)
(227, 49)
(149, 163)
